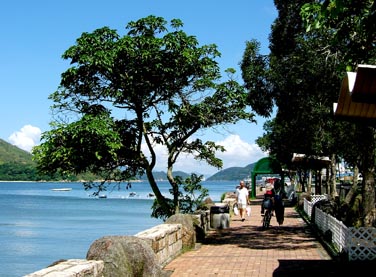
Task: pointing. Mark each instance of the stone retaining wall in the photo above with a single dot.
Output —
(165, 240)
(72, 268)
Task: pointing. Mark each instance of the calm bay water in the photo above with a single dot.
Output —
(39, 225)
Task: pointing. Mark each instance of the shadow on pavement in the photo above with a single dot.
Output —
(321, 268)
(253, 237)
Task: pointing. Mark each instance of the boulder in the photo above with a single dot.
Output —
(207, 203)
(230, 199)
(125, 256)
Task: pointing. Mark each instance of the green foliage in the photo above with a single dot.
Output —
(223, 196)
(350, 26)
(255, 75)
(299, 82)
(89, 144)
(191, 194)
(16, 172)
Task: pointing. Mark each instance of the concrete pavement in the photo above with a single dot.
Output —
(245, 249)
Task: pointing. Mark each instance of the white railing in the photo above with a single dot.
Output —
(308, 205)
(325, 222)
(358, 243)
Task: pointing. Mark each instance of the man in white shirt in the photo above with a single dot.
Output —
(242, 196)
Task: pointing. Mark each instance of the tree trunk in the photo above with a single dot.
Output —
(350, 195)
(332, 183)
(326, 184)
(368, 185)
(302, 180)
(309, 183)
(368, 196)
(356, 175)
(354, 187)
(318, 182)
(175, 189)
(158, 195)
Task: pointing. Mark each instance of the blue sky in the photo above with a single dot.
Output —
(36, 33)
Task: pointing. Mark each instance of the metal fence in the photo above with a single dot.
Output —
(358, 243)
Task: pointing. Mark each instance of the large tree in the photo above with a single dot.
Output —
(301, 85)
(302, 77)
(124, 95)
(350, 27)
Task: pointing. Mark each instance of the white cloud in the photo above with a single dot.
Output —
(238, 154)
(26, 138)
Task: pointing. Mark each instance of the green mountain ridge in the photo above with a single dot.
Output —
(12, 154)
(233, 173)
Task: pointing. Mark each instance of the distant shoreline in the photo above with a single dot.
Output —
(3, 181)
(79, 181)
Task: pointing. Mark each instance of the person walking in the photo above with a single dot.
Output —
(242, 196)
(279, 195)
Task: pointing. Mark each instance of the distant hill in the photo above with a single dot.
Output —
(12, 154)
(233, 173)
(162, 176)
(228, 174)
(17, 165)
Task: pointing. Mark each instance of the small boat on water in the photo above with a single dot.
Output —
(132, 194)
(102, 196)
(62, 189)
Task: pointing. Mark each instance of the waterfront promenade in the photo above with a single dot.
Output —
(244, 249)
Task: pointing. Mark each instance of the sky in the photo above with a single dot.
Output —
(36, 33)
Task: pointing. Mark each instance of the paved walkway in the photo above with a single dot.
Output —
(244, 249)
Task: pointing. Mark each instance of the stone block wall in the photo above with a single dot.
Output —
(72, 268)
(165, 240)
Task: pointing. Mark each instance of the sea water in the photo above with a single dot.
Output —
(40, 225)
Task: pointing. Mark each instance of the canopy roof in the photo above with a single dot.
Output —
(267, 165)
(313, 162)
(357, 99)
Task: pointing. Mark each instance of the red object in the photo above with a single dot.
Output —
(268, 192)
(271, 180)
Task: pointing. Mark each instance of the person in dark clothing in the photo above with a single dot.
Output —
(279, 195)
(268, 200)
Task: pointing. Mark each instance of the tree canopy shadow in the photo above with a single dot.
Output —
(322, 268)
(254, 237)
(291, 236)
